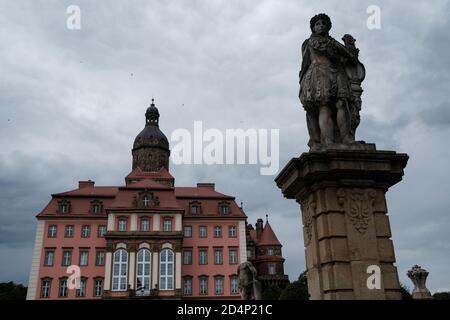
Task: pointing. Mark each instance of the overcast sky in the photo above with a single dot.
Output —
(72, 102)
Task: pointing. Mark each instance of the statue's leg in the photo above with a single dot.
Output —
(312, 122)
(343, 121)
(326, 125)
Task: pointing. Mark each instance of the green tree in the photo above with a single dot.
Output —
(442, 295)
(272, 292)
(405, 292)
(297, 290)
(12, 291)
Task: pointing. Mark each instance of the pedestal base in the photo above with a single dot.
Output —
(349, 253)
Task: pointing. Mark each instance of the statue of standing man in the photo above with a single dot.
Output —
(330, 91)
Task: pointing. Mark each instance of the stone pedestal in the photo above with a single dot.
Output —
(345, 222)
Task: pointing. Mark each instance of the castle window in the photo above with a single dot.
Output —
(232, 233)
(217, 232)
(272, 269)
(63, 290)
(224, 208)
(100, 258)
(233, 256)
(67, 258)
(195, 207)
(145, 201)
(52, 229)
(187, 257)
(68, 232)
(249, 253)
(120, 270)
(143, 270)
(203, 285)
(218, 284)
(187, 286)
(84, 258)
(98, 287)
(96, 207)
(145, 224)
(270, 251)
(203, 256)
(63, 206)
(187, 231)
(167, 224)
(122, 225)
(166, 270)
(85, 231)
(218, 256)
(234, 286)
(46, 284)
(49, 257)
(101, 231)
(81, 291)
(203, 232)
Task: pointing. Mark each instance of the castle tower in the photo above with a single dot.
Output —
(151, 147)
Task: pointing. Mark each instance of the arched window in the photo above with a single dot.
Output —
(120, 270)
(143, 271)
(166, 270)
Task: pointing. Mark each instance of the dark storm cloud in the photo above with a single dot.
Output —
(73, 101)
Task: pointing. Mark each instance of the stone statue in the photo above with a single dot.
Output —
(249, 286)
(330, 87)
(419, 276)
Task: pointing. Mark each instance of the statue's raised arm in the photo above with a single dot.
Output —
(330, 90)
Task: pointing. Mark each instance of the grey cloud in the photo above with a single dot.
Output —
(74, 108)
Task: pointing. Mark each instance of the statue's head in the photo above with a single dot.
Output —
(246, 272)
(320, 24)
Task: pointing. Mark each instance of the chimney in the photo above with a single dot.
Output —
(206, 185)
(259, 228)
(84, 184)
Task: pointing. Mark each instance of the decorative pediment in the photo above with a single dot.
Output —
(146, 199)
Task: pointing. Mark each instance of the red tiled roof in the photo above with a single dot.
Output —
(199, 192)
(90, 191)
(268, 237)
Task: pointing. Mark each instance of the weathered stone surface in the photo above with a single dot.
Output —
(345, 221)
(418, 276)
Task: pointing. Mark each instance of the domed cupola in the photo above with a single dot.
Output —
(151, 147)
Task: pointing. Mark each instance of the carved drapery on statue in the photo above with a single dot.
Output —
(330, 87)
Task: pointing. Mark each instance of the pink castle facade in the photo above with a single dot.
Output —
(147, 239)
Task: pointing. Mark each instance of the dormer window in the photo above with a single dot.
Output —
(63, 206)
(146, 200)
(96, 207)
(195, 207)
(224, 208)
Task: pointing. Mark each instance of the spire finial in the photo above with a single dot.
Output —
(153, 101)
(267, 218)
(242, 204)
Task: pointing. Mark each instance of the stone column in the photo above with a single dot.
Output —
(345, 223)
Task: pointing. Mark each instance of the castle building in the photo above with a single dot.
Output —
(146, 239)
(264, 252)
